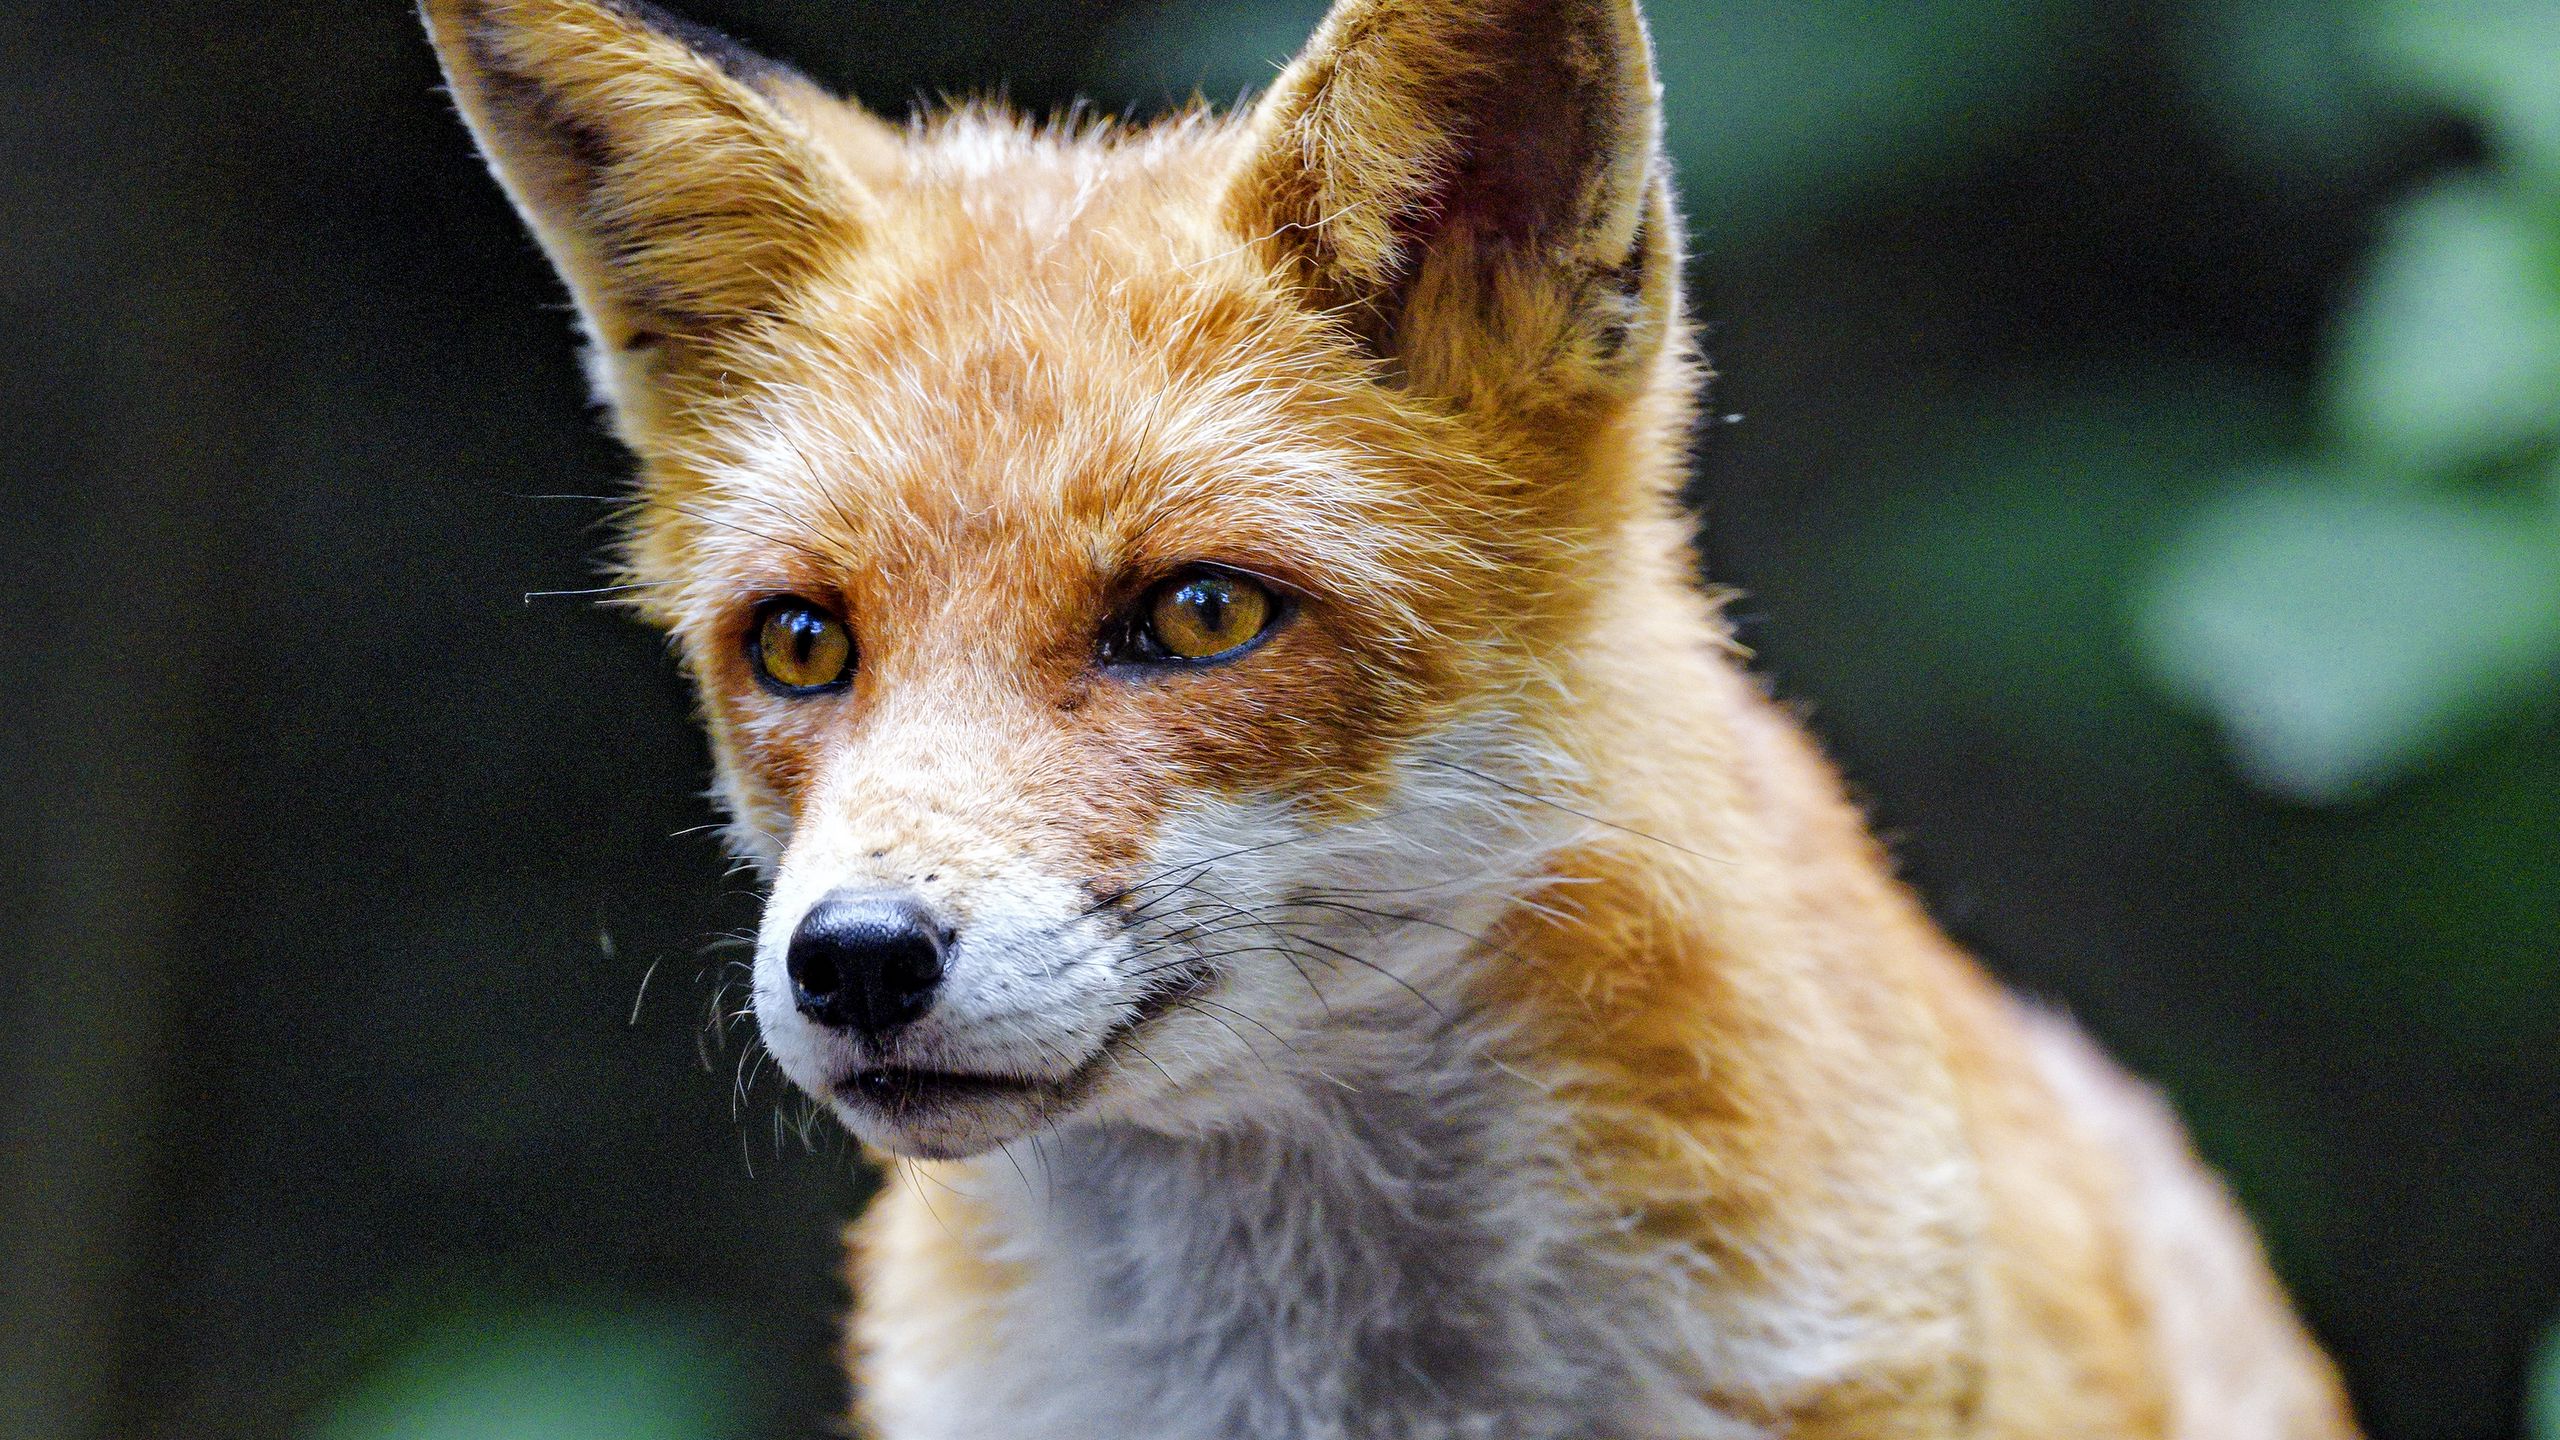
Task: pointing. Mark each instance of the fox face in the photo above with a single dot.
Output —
(1196, 632)
(1131, 577)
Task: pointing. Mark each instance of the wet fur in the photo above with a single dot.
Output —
(1474, 1013)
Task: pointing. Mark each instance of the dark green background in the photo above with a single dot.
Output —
(338, 865)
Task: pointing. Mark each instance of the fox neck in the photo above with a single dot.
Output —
(1403, 1253)
(1415, 1244)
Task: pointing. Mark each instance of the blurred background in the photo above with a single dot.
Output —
(2138, 442)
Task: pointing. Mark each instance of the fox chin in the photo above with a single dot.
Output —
(1268, 840)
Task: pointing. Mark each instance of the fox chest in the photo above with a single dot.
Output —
(1150, 1287)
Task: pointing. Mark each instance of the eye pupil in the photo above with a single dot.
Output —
(1206, 616)
(797, 649)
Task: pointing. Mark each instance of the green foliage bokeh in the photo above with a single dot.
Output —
(2384, 598)
(2137, 439)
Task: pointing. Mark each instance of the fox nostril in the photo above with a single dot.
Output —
(866, 962)
(814, 976)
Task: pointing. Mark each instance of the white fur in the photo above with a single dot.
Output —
(1320, 1205)
(1406, 1260)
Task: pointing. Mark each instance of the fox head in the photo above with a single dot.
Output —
(1138, 581)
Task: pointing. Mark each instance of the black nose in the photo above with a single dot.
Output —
(868, 963)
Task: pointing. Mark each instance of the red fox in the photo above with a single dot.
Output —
(1268, 840)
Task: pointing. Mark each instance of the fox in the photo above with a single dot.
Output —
(1266, 836)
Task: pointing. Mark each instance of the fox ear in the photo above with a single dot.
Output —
(1476, 185)
(678, 181)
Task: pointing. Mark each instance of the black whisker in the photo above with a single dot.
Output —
(1535, 798)
(594, 590)
(1337, 951)
(1321, 902)
(1249, 1020)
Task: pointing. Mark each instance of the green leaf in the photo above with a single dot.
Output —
(1770, 109)
(2288, 86)
(2343, 635)
(546, 1374)
(2450, 354)
(1167, 50)
(1979, 587)
(2492, 59)
(2542, 1398)
(1766, 107)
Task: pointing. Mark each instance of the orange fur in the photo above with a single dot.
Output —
(1404, 340)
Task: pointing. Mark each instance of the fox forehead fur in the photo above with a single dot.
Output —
(1473, 1010)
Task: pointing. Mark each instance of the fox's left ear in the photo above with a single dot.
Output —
(1478, 186)
(679, 182)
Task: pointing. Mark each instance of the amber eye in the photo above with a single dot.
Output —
(1203, 614)
(799, 649)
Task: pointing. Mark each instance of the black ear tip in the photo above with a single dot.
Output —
(452, 12)
(437, 15)
(735, 60)
(457, 24)
(456, 19)
(470, 25)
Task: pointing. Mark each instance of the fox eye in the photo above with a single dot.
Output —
(1201, 614)
(799, 649)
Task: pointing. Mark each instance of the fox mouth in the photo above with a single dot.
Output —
(902, 1090)
(911, 1089)
(930, 1110)
(946, 1114)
